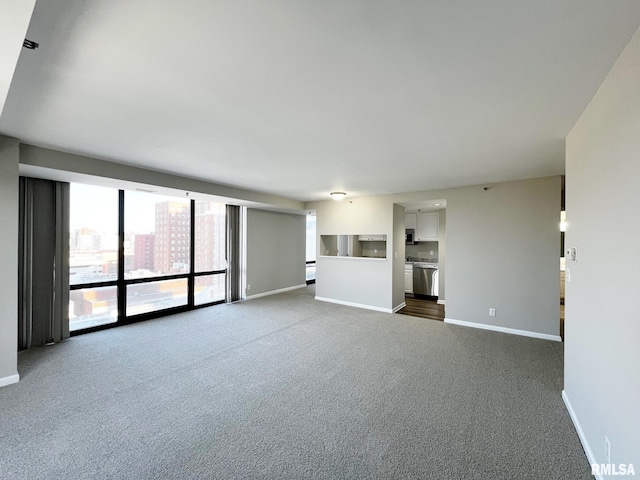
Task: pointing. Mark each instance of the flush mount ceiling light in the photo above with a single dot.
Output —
(437, 204)
(337, 196)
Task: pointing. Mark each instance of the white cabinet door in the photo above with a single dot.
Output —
(428, 226)
(411, 220)
(408, 281)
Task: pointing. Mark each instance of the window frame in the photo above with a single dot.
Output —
(121, 283)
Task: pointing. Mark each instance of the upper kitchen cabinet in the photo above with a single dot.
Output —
(427, 226)
(372, 238)
(411, 221)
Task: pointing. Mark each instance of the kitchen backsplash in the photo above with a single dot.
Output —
(422, 250)
(374, 249)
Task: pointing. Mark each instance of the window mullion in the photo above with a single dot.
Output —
(122, 288)
(192, 256)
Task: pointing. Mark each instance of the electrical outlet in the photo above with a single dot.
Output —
(492, 312)
(248, 286)
(607, 449)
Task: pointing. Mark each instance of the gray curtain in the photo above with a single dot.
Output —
(43, 270)
(234, 244)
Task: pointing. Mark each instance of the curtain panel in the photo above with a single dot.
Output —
(234, 245)
(43, 269)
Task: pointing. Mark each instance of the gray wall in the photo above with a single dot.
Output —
(55, 165)
(366, 282)
(14, 21)
(9, 155)
(276, 253)
(503, 252)
(398, 249)
(442, 255)
(602, 327)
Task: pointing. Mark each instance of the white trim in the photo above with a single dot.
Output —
(513, 331)
(583, 439)
(273, 292)
(440, 302)
(399, 307)
(357, 305)
(4, 381)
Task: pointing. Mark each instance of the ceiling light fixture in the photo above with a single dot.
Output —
(337, 196)
(437, 204)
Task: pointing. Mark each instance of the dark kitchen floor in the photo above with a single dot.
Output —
(423, 307)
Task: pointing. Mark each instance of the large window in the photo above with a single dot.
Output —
(133, 254)
(92, 307)
(157, 235)
(153, 296)
(93, 242)
(210, 252)
(209, 248)
(311, 249)
(93, 256)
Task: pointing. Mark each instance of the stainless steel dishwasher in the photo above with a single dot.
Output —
(425, 279)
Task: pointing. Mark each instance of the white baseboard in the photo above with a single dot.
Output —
(273, 292)
(399, 307)
(512, 331)
(440, 302)
(357, 305)
(4, 381)
(583, 439)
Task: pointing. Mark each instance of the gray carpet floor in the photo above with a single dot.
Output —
(288, 387)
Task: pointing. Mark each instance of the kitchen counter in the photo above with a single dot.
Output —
(353, 258)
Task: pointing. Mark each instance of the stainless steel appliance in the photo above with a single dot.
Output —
(425, 279)
(409, 236)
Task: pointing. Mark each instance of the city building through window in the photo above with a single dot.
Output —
(172, 255)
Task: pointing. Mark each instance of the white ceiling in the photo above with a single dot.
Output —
(300, 98)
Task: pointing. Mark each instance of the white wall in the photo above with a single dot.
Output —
(602, 317)
(276, 252)
(9, 154)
